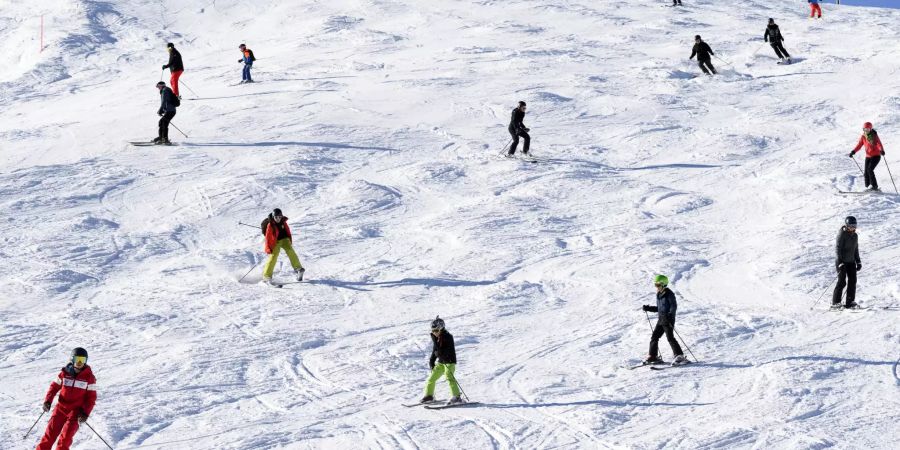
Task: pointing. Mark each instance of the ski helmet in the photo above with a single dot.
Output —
(160, 84)
(170, 45)
(437, 324)
(867, 126)
(661, 280)
(850, 221)
(277, 212)
(79, 352)
(771, 20)
(697, 37)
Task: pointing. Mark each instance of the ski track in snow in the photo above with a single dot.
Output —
(376, 127)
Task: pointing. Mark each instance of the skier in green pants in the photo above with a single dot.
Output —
(278, 237)
(444, 353)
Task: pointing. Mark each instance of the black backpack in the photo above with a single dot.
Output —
(264, 225)
(252, 58)
(173, 99)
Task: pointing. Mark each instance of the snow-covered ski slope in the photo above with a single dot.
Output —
(375, 126)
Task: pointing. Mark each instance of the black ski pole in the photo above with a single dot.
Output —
(32, 425)
(463, 392)
(649, 322)
(248, 272)
(161, 72)
(891, 175)
(726, 62)
(685, 344)
(857, 165)
(98, 435)
(824, 292)
(188, 88)
(247, 225)
(179, 129)
(503, 152)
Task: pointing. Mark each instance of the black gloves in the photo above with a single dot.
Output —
(46, 406)
(882, 153)
(165, 66)
(82, 417)
(858, 266)
(648, 308)
(851, 154)
(240, 60)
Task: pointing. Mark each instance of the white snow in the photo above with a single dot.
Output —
(375, 127)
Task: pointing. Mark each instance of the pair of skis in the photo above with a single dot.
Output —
(440, 404)
(662, 365)
(151, 144)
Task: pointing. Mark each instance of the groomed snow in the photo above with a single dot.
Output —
(375, 126)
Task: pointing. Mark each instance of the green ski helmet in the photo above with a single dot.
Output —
(661, 280)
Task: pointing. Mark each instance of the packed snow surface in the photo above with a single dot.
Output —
(376, 126)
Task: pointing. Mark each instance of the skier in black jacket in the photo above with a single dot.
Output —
(167, 107)
(443, 353)
(847, 264)
(774, 37)
(175, 66)
(676, 2)
(666, 306)
(517, 128)
(702, 52)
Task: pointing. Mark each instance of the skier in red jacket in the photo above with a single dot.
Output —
(874, 152)
(77, 389)
(278, 237)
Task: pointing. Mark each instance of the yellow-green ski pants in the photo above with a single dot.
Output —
(442, 369)
(284, 244)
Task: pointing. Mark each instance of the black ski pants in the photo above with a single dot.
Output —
(846, 278)
(515, 141)
(871, 163)
(704, 63)
(779, 49)
(676, 2)
(164, 124)
(668, 327)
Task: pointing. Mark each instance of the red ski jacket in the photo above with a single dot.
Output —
(76, 391)
(872, 148)
(272, 234)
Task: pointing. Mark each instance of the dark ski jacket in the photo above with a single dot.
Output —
(666, 305)
(515, 121)
(175, 64)
(847, 248)
(702, 52)
(167, 100)
(443, 350)
(773, 34)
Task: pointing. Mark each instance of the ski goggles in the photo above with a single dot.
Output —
(79, 359)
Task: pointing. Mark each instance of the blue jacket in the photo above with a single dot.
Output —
(166, 98)
(813, 1)
(666, 304)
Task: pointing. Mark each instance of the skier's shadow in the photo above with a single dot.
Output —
(427, 282)
(608, 403)
(286, 144)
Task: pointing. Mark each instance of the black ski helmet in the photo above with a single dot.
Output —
(78, 351)
(170, 45)
(850, 221)
(437, 324)
(161, 84)
(277, 212)
(697, 37)
(771, 20)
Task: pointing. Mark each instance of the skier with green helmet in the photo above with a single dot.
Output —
(666, 305)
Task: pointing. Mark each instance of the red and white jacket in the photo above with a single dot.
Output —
(77, 392)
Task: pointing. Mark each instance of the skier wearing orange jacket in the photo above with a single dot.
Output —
(874, 152)
(77, 389)
(278, 237)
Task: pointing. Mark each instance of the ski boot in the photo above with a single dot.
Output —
(873, 189)
(836, 306)
(300, 272)
(426, 399)
(853, 305)
(157, 140)
(455, 401)
(653, 360)
(679, 360)
(165, 142)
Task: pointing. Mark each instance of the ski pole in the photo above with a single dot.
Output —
(860, 168)
(179, 129)
(98, 435)
(726, 62)
(503, 152)
(161, 72)
(685, 344)
(825, 291)
(248, 272)
(758, 48)
(247, 225)
(891, 175)
(182, 83)
(463, 392)
(649, 322)
(32, 425)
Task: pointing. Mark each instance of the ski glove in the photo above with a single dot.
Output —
(851, 154)
(858, 266)
(882, 153)
(165, 66)
(240, 60)
(46, 406)
(649, 308)
(82, 417)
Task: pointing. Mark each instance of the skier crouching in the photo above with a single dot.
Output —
(666, 305)
(443, 353)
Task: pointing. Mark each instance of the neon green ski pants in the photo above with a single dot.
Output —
(284, 244)
(442, 369)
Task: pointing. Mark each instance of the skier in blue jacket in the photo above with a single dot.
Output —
(666, 306)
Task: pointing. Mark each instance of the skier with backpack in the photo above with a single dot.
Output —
(169, 102)
(247, 59)
(847, 264)
(666, 306)
(278, 237)
(518, 129)
(175, 66)
(874, 152)
(702, 51)
(77, 389)
(442, 362)
(774, 37)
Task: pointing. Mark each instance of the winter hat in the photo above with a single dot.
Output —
(161, 84)
(277, 212)
(697, 37)
(241, 46)
(521, 103)
(867, 125)
(170, 45)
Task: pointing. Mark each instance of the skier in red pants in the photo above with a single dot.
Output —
(814, 8)
(175, 66)
(77, 390)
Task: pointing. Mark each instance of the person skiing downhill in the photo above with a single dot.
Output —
(702, 51)
(847, 264)
(774, 37)
(278, 237)
(167, 108)
(666, 306)
(175, 66)
(814, 8)
(77, 389)
(676, 2)
(247, 59)
(518, 129)
(874, 152)
(442, 362)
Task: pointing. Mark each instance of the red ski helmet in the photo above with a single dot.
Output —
(867, 126)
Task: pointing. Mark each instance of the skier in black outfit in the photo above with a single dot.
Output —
(847, 264)
(443, 353)
(168, 103)
(676, 2)
(517, 129)
(666, 306)
(774, 37)
(702, 52)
